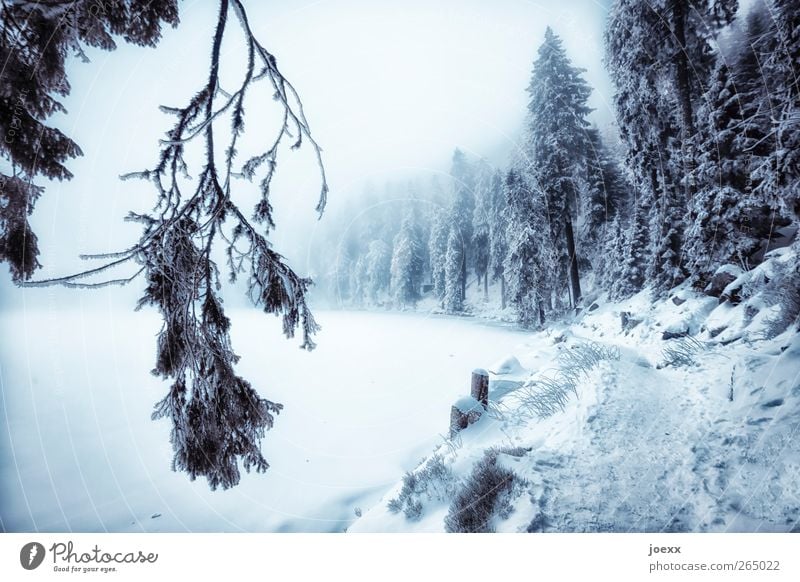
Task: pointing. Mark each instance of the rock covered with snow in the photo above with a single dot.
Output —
(510, 365)
(723, 277)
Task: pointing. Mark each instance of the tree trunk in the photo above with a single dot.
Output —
(574, 279)
(502, 291)
(464, 275)
(682, 67)
(486, 286)
(684, 90)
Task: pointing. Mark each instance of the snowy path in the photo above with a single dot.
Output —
(634, 457)
(666, 450)
(81, 454)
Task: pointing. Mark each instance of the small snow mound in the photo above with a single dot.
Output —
(480, 372)
(510, 365)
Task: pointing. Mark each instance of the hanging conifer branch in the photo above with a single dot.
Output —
(36, 38)
(218, 419)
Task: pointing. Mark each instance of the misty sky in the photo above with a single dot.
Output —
(390, 88)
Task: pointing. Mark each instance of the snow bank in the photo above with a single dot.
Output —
(704, 443)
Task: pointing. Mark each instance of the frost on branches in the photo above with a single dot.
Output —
(35, 40)
(218, 419)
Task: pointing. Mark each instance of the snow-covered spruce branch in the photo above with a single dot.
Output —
(217, 418)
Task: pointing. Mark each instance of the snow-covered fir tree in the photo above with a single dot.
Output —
(462, 207)
(738, 203)
(719, 231)
(378, 270)
(342, 277)
(481, 223)
(632, 274)
(557, 135)
(423, 217)
(334, 264)
(782, 70)
(638, 60)
(650, 45)
(498, 234)
(603, 193)
(359, 281)
(407, 261)
(437, 250)
(453, 269)
(610, 257)
(531, 257)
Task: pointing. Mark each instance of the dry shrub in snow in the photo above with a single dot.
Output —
(550, 394)
(783, 290)
(546, 396)
(682, 351)
(434, 480)
(579, 360)
(488, 492)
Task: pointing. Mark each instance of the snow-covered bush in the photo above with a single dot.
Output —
(547, 395)
(434, 480)
(783, 290)
(682, 351)
(488, 492)
(581, 358)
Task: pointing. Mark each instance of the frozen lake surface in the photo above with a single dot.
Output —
(80, 453)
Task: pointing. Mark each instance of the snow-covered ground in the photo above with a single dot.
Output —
(697, 434)
(694, 433)
(79, 452)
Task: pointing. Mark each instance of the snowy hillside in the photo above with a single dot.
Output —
(694, 433)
